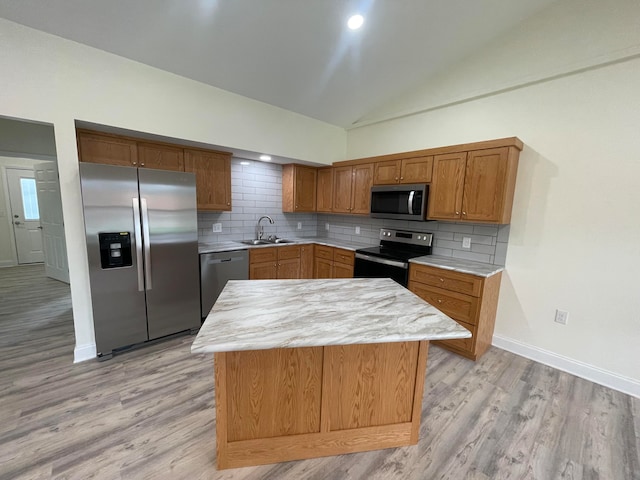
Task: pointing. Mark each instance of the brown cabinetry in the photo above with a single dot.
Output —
(477, 186)
(160, 156)
(213, 178)
(298, 188)
(107, 149)
(324, 195)
(306, 261)
(468, 299)
(333, 262)
(352, 189)
(275, 262)
(406, 170)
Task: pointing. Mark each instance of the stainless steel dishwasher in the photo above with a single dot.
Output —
(215, 270)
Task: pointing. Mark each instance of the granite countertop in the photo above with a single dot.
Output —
(229, 246)
(459, 265)
(265, 314)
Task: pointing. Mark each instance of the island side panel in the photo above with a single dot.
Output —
(371, 384)
(421, 370)
(284, 383)
(220, 374)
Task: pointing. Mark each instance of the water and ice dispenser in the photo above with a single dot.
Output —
(115, 249)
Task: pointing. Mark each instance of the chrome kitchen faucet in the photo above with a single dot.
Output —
(260, 228)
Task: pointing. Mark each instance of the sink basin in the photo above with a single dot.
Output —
(265, 241)
(256, 242)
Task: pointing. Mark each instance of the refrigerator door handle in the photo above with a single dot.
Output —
(147, 244)
(138, 235)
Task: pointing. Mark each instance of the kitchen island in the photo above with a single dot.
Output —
(310, 368)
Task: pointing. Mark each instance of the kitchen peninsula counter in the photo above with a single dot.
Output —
(310, 368)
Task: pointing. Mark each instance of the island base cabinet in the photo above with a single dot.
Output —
(290, 404)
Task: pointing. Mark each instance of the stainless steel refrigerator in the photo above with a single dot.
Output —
(142, 246)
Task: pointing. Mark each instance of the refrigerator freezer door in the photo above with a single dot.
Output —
(119, 312)
(168, 209)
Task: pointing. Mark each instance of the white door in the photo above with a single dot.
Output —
(25, 215)
(50, 204)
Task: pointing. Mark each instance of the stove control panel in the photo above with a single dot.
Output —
(404, 236)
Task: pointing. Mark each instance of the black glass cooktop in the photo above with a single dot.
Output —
(394, 253)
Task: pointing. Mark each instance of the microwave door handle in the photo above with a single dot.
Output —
(410, 202)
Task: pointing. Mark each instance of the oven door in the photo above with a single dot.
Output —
(369, 266)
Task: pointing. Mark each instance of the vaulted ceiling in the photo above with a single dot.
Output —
(294, 54)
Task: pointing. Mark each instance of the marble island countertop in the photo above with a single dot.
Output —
(265, 314)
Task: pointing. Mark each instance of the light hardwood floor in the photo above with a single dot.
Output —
(149, 414)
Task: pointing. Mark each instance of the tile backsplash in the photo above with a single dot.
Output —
(257, 190)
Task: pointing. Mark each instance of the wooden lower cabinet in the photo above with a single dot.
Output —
(333, 262)
(470, 300)
(294, 403)
(306, 261)
(269, 263)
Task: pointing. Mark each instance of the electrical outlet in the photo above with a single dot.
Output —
(326, 227)
(466, 242)
(562, 317)
(357, 230)
(299, 225)
(217, 228)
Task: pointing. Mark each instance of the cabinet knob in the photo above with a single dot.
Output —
(401, 178)
(396, 178)
(135, 163)
(228, 203)
(457, 213)
(442, 279)
(142, 164)
(464, 213)
(439, 300)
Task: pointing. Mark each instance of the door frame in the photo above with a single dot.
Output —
(16, 162)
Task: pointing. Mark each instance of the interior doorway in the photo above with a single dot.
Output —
(25, 215)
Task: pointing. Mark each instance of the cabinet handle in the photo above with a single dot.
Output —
(442, 279)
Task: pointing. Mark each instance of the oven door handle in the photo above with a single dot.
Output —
(384, 261)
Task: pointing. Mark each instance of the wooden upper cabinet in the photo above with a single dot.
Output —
(160, 156)
(213, 178)
(416, 170)
(489, 185)
(361, 189)
(445, 193)
(298, 188)
(107, 149)
(324, 195)
(406, 170)
(342, 179)
(477, 186)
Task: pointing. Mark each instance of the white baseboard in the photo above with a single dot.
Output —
(584, 370)
(7, 263)
(84, 352)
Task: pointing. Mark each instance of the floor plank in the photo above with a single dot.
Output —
(149, 413)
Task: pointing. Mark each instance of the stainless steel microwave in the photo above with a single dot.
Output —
(401, 202)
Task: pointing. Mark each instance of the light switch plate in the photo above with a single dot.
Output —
(299, 225)
(466, 242)
(357, 230)
(217, 228)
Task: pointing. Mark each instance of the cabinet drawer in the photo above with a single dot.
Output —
(465, 344)
(291, 251)
(342, 270)
(343, 256)
(322, 251)
(259, 255)
(458, 306)
(454, 281)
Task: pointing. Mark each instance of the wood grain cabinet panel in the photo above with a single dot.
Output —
(290, 390)
(270, 263)
(263, 270)
(213, 178)
(299, 184)
(107, 149)
(445, 194)
(323, 268)
(306, 261)
(341, 270)
(470, 300)
(323, 251)
(160, 156)
(371, 384)
(387, 173)
(342, 179)
(361, 189)
(324, 190)
(406, 170)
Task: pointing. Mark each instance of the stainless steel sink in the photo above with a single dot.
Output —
(266, 241)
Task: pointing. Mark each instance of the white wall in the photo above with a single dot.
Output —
(48, 79)
(575, 233)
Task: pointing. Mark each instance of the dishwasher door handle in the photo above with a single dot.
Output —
(213, 261)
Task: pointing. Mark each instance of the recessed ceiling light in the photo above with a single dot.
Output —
(265, 158)
(244, 162)
(355, 22)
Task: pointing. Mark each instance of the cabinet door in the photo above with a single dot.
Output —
(213, 178)
(161, 157)
(323, 268)
(342, 179)
(305, 189)
(106, 149)
(306, 261)
(263, 271)
(341, 270)
(361, 189)
(387, 173)
(289, 268)
(445, 194)
(484, 185)
(324, 194)
(416, 170)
